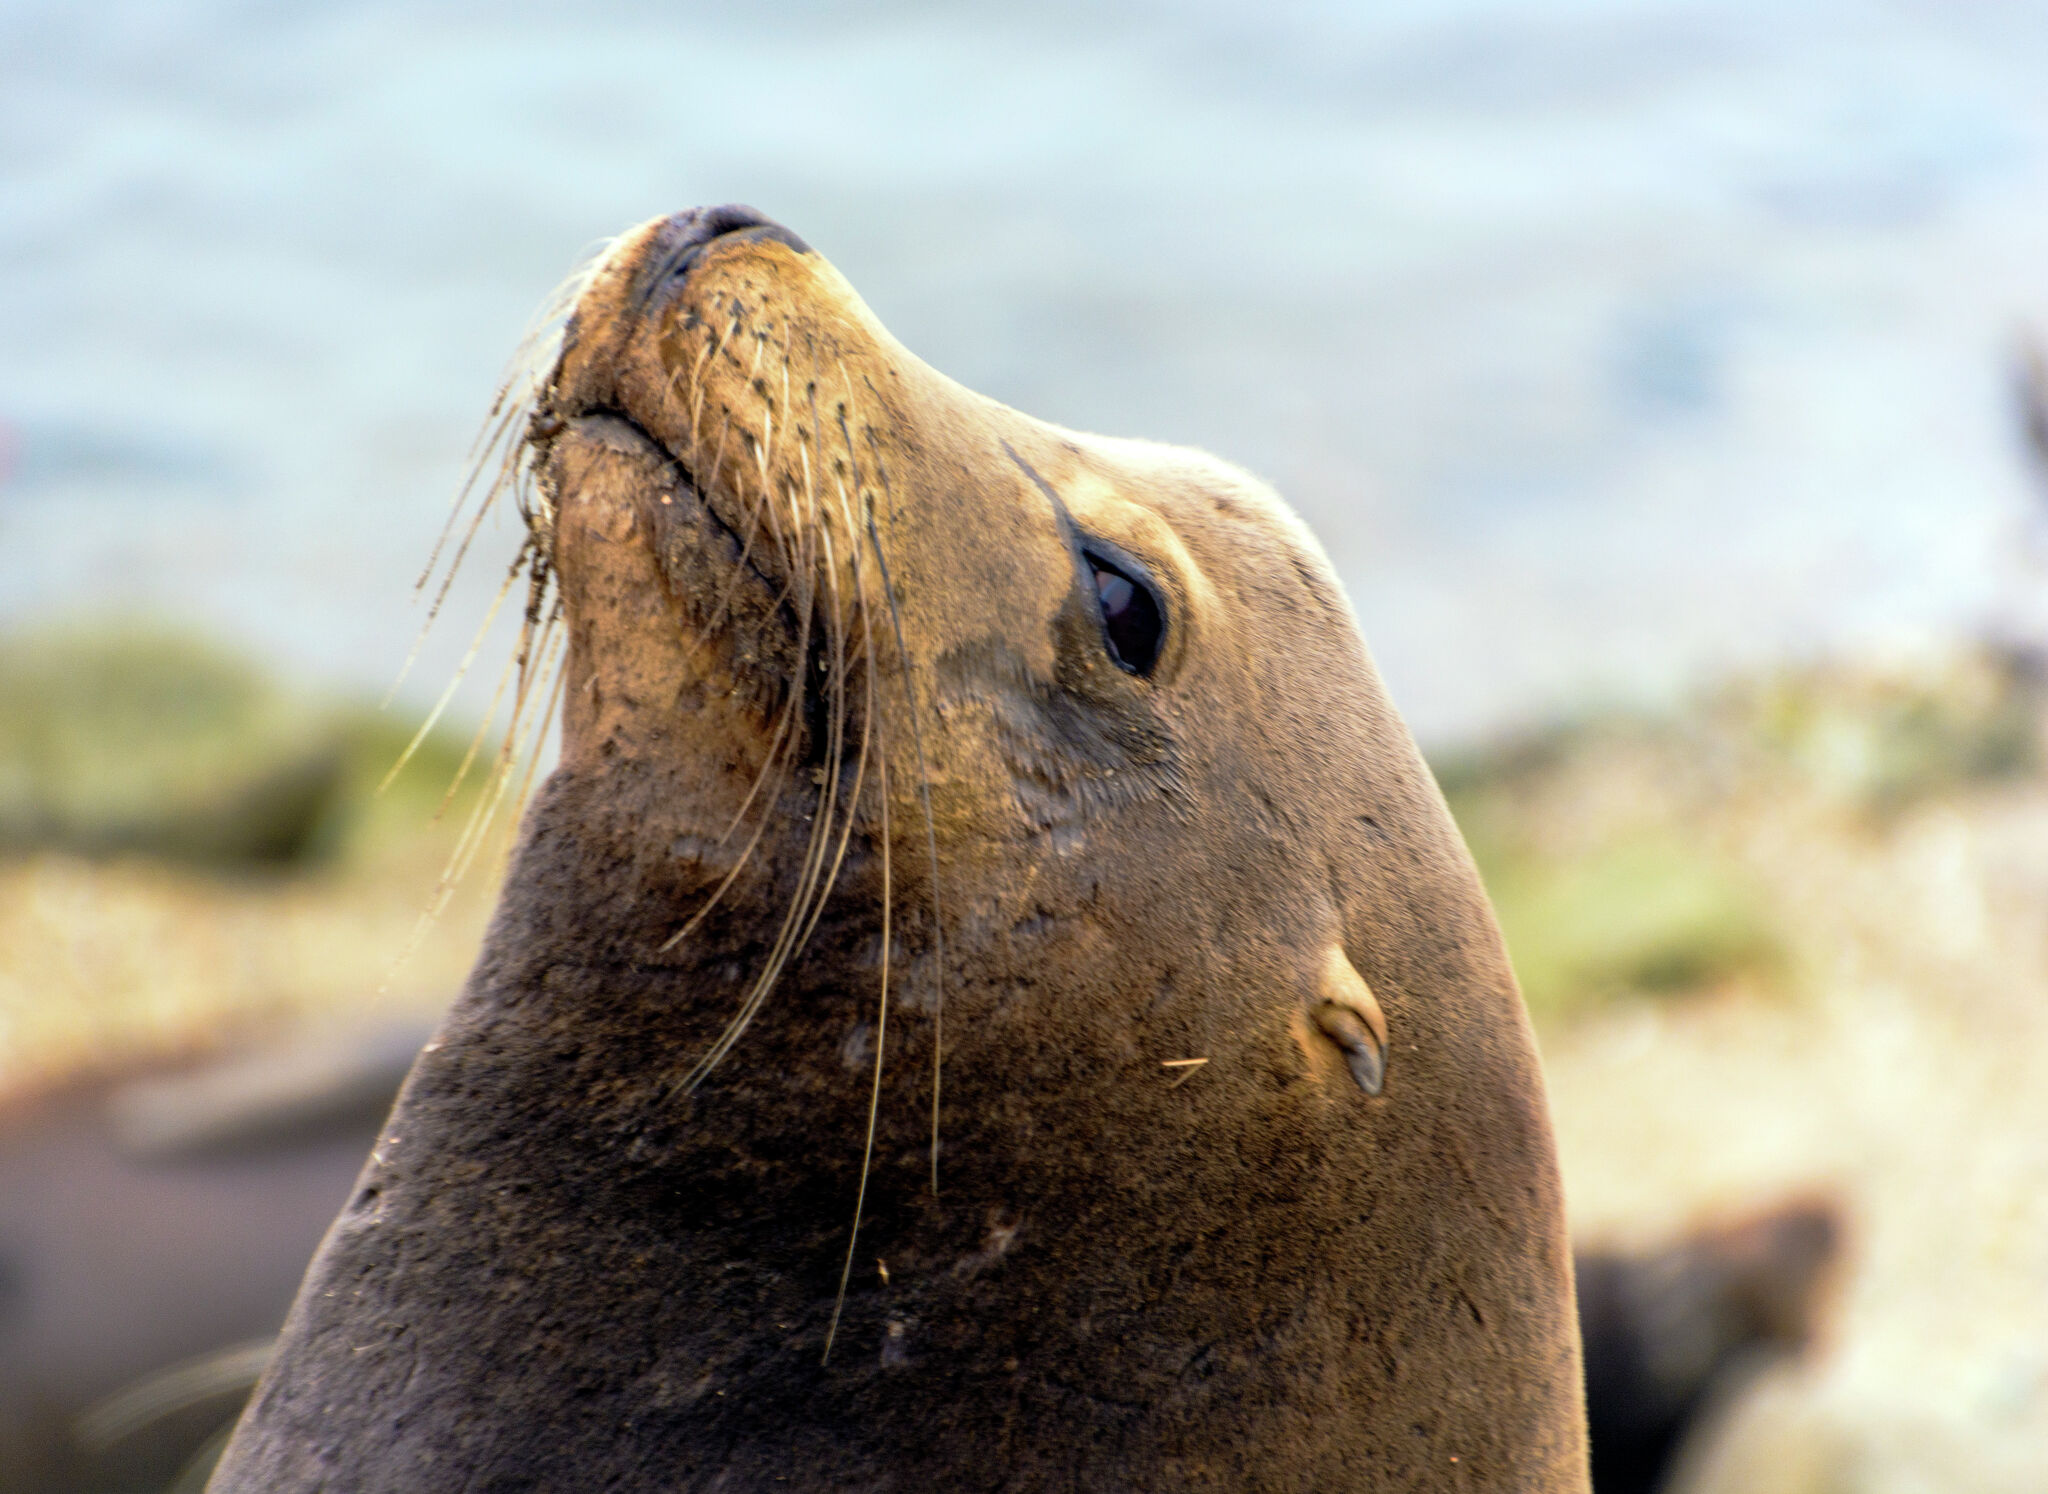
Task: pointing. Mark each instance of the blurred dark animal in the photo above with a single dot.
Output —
(152, 1231)
(1673, 1335)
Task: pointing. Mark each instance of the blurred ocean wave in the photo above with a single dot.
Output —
(1603, 344)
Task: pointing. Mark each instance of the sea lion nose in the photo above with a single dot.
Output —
(678, 242)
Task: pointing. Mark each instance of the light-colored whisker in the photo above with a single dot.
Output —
(520, 734)
(924, 790)
(477, 738)
(870, 726)
(462, 855)
(860, 765)
(540, 634)
(814, 883)
(772, 967)
(547, 714)
(746, 856)
(489, 497)
(519, 387)
(531, 733)
(461, 671)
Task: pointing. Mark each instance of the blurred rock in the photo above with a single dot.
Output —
(128, 739)
(153, 1228)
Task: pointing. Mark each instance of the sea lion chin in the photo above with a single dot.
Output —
(997, 836)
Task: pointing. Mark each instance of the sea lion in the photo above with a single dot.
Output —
(990, 834)
(1675, 1334)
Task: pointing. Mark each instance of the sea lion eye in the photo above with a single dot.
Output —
(1132, 622)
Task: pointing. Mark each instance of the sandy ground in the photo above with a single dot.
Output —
(102, 962)
(1905, 1071)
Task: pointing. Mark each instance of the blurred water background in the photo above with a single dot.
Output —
(1647, 369)
(1603, 343)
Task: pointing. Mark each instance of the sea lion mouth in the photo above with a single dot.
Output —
(715, 540)
(606, 366)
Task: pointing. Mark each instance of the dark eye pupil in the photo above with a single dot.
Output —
(1130, 618)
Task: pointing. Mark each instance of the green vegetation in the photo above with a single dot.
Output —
(1884, 742)
(1619, 850)
(1646, 914)
(1594, 905)
(131, 739)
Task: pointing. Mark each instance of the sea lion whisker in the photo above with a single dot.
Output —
(764, 451)
(705, 487)
(867, 1152)
(461, 856)
(440, 541)
(779, 955)
(169, 1391)
(781, 749)
(521, 735)
(746, 856)
(767, 507)
(739, 572)
(533, 754)
(718, 455)
(793, 571)
(779, 951)
(526, 371)
(485, 809)
(710, 350)
(792, 702)
(760, 347)
(687, 387)
(539, 637)
(924, 794)
(483, 508)
(815, 883)
(476, 741)
(539, 640)
(872, 724)
(461, 670)
(515, 667)
(835, 754)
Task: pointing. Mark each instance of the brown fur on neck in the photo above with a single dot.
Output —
(567, 1268)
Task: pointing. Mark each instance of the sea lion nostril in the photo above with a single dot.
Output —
(737, 218)
(686, 235)
(727, 218)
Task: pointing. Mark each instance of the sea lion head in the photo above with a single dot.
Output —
(998, 836)
(1102, 673)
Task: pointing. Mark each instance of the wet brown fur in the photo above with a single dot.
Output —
(584, 1258)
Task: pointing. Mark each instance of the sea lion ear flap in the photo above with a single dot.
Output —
(1347, 1013)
